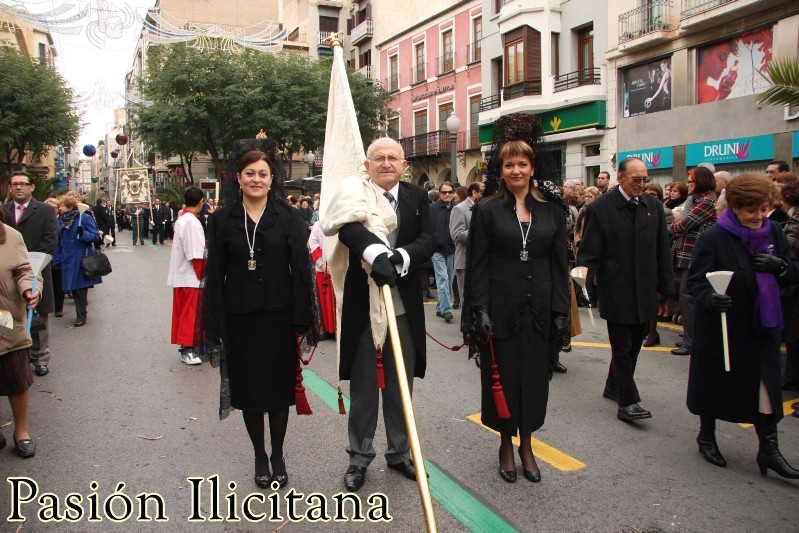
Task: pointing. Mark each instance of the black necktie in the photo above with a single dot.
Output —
(391, 200)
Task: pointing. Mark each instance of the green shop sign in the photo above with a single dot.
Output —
(588, 115)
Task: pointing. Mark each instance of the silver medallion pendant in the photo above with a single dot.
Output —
(524, 256)
(251, 264)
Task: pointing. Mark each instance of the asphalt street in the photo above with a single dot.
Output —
(118, 407)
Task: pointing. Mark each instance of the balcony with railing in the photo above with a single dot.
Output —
(645, 25)
(418, 73)
(431, 144)
(530, 87)
(697, 14)
(445, 63)
(362, 31)
(474, 51)
(323, 36)
(392, 83)
(365, 71)
(578, 78)
(490, 102)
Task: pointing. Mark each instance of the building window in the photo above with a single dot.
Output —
(477, 37)
(514, 59)
(474, 116)
(365, 59)
(393, 69)
(393, 127)
(591, 174)
(555, 55)
(448, 59)
(444, 111)
(419, 130)
(42, 53)
(591, 150)
(328, 24)
(585, 48)
(419, 71)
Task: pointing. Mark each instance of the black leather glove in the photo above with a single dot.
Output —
(561, 324)
(767, 263)
(300, 329)
(383, 272)
(396, 258)
(482, 322)
(720, 302)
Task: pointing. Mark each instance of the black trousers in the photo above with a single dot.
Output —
(81, 299)
(625, 345)
(158, 233)
(58, 290)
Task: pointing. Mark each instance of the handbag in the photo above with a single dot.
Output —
(95, 266)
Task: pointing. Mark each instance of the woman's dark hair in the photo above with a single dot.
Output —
(251, 157)
(240, 157)
(703, 180)
(516, 148)
(790, 193)
(749, 190)
(655, 187)
(680, 187)
(193, 196)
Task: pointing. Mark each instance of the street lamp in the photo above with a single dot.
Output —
(453, 125)
(310, 158)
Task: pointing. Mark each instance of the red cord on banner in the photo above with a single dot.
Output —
(300, 399)
(381, 377)
(496, 388)
(341, 409)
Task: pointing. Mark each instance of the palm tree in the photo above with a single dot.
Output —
(783, 74)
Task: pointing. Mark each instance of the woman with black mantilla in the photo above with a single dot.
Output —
(258, 296)
(517, 276)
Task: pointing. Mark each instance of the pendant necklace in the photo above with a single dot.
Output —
(251, 245)
(524, 256)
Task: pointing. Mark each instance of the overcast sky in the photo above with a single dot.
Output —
(95, 59)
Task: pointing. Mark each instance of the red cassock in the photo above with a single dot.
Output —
(327, 299)
(184, 315)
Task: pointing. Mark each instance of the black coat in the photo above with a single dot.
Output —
(440, 215)
(520, 298)
(416, 237)
(627, 253)
(40, 233)
(102, 219)
(733, 396)
(159, 214)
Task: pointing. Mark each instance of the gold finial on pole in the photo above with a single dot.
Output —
(333, 41)
(261, 135)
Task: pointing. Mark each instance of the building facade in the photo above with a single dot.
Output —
(546, 57)
(683, 75)
(434, 70)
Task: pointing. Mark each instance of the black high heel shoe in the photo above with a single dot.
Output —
(534, 476)
(282, 478)
(262, 480)
(509, 476)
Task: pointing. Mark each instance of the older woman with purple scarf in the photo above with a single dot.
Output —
(746, 242)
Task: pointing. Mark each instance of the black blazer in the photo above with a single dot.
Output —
(627, 254)
(40, 233)
(104, 222)
(416, 237)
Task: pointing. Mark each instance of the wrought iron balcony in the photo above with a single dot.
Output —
(430, 144)
(418, 73)
(446, 63)
(325, 35)
(490, 102)
(690, 8)
(474, 51)
(649, 18)
(525, 88)
(362, 31)
(588, 76)
(365, 71)
(392, 83)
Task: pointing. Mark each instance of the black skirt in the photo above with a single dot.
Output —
(262, 361)
(15, 372)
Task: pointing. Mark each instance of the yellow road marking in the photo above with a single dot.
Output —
(670, 325)
(541, 450)
(602, 345)
(786, 410)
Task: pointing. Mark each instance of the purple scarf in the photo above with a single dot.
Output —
(768, 311)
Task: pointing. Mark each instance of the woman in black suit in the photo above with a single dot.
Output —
(756, 250)
(519, 293)
(258, 296)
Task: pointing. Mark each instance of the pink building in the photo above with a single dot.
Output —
(434, 69)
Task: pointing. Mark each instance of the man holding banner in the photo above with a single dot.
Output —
(366, 359)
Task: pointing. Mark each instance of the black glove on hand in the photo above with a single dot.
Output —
(767, 263)
(561, 324)
(300, 329)
(720, 302)
(396, 258)
(482, 322)
(383, 272)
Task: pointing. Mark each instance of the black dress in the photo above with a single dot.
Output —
(260, 308)
(520, 297)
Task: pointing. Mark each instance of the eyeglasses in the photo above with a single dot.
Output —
(446, 192)
(392, 160)
(639, 179)
(19, 184)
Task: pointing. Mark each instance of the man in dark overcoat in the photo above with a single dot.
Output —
(625, 246)
(36, 221)
(412, 244)
(104, 222)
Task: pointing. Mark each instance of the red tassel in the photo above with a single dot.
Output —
(381, 377)
(341, 409)
(301, 401)
(499, 394)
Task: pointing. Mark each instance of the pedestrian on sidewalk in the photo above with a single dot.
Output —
(444, 256)
(185, 273)
(258, 300)
(16, 283)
